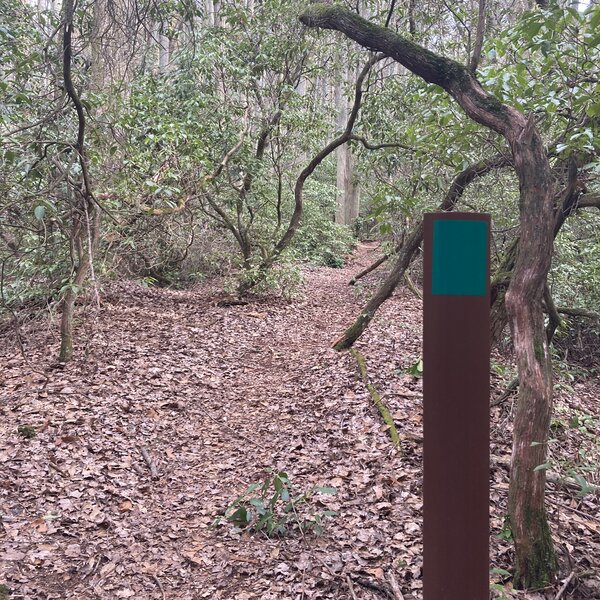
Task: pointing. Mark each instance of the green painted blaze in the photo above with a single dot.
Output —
(460, 253)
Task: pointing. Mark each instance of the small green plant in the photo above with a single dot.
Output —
(27, 431)
(506, 532)
(283, 279)
(148, 281)
(586, 487)
(499, 587)
(583, 422)
(416, 369)
(496, 587)
(498, 368)
(271, 507)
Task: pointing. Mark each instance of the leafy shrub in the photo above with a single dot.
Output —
(319, 240)
(282, 279)
(271, 507)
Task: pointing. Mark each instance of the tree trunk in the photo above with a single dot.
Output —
(347, 192)
(78, 237)
(570, 201)
(85, 216)
(535, 565)
(535, 561)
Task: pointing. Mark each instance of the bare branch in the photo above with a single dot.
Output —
(589, 201)
(476, 56)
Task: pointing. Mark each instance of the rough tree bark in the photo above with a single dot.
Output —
(569, 201)
(476, 56)
(535, 560)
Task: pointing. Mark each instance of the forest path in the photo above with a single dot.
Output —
(216, 396)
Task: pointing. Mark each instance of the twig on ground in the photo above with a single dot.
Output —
(383, 587)
(565, 585)
(512, 386)
(572, 509)
(57, 468)
(570, 483)
(411, 286)
(151, 464)
(159, 584)
(351, 588)
(394, 585)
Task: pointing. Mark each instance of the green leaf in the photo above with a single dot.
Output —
(39, 212)
(593, 110)
(543, 467)
(546, 47)
(595, 20)
(241, 517)
(252, 487)
(326, 490)
(258, 504)
(277, 483)
(532, 29)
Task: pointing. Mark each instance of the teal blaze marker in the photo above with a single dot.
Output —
(459, 258)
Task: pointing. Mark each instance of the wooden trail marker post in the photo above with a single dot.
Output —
(456, 401)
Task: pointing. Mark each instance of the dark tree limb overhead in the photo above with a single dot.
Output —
(455, 78)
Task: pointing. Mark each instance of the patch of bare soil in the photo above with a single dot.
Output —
(175, 404)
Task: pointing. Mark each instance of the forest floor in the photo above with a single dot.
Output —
(215, 396)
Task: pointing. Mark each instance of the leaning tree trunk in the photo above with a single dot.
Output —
(409, 247)
(535, 561)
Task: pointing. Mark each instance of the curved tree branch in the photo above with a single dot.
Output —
(408, 250)
(535, 559)
(453, 77)
(346, 135)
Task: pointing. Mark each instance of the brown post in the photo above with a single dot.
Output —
(456, 400)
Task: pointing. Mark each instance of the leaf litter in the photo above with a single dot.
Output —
(176, 402)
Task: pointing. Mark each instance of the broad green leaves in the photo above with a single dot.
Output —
(547, 65)
(273, 507)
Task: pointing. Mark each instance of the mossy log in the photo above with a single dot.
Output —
(384, 411)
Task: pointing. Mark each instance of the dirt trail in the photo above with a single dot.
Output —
(215, 396)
